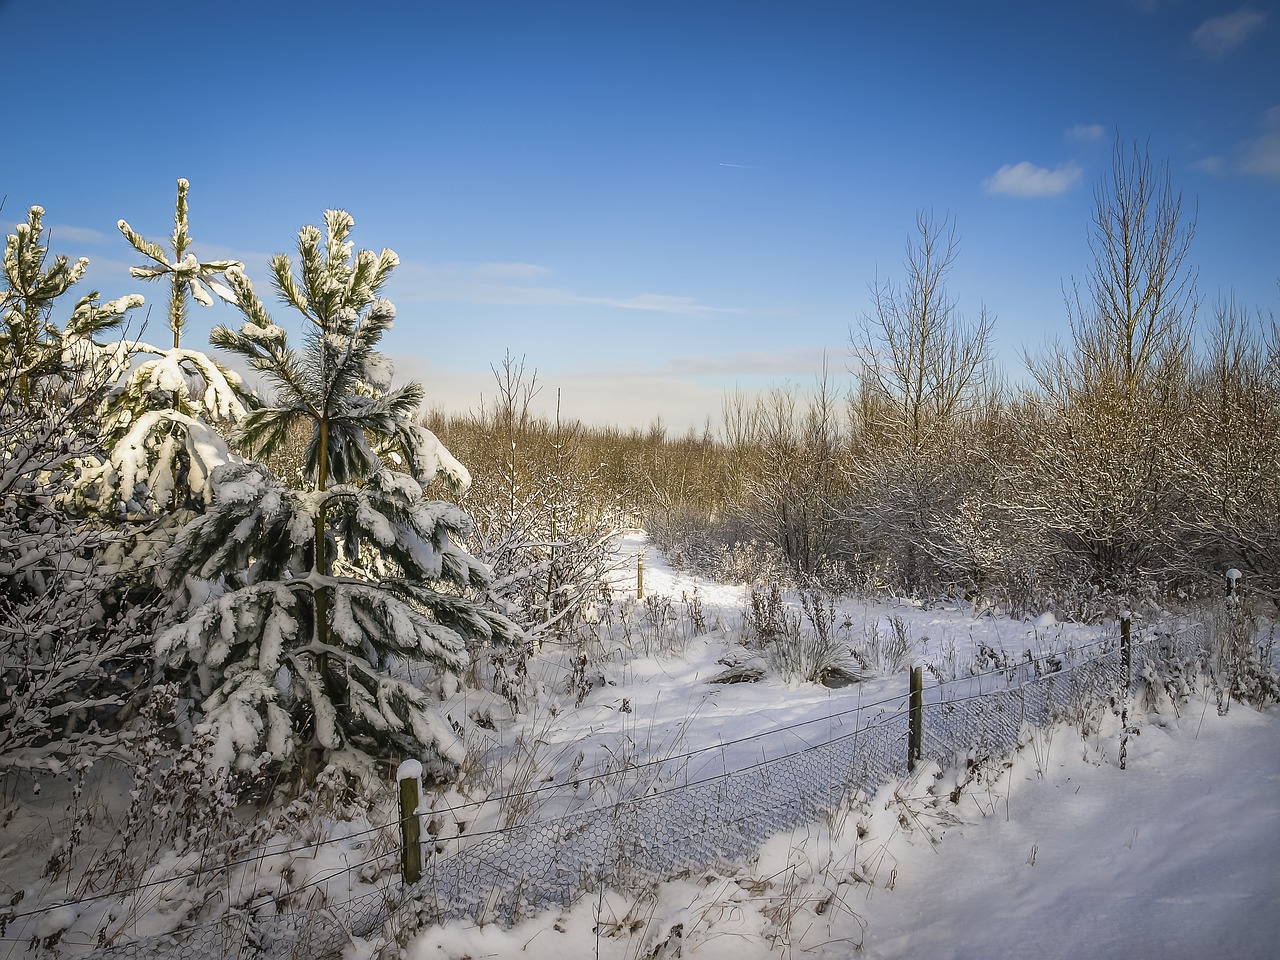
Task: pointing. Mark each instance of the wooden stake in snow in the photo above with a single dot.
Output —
(640, 575)
(915, 715)
(409, 775)
(1233, 581)
(1126, 650)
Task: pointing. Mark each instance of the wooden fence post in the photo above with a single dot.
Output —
(1126, 647)
(409, 775)
(640, 575)
(915, 716)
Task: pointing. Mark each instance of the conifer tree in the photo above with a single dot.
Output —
(321, 595)
(161, 437)
(51, 363)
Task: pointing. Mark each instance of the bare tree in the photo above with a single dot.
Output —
(1102, 480)
(923, 371)
(915, 352)
(1132, 323)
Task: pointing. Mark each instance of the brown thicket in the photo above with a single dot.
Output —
(1139, 458)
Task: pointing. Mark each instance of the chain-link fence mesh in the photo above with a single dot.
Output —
(717, 820)
(515, 873)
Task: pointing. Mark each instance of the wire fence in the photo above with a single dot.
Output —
(515, 873)
(701, 822)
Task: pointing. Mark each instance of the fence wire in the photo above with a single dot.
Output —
(509, 875)
(529, 868)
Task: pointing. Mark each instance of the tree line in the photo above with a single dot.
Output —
(1139, 460)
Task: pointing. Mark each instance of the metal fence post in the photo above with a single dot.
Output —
(409, 775)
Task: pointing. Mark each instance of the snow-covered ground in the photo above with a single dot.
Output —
(1065, 855)
(1058, 853)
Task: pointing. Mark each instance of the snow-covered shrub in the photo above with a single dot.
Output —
(1167, 671)
(1240, 667)
(887, 648)
(806, 646)
(751, 562)
(303, 605)
(179, 802)
(71, 652)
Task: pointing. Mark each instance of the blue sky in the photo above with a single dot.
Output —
(652, 202)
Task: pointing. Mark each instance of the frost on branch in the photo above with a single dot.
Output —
(71, 655)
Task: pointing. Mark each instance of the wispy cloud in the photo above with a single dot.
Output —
(800, 362)
(516, 284)
(1218, 36)
(1028, 180)
(1215, 166)
(1086, 133)
(508, 272)
(1262, 156)
(64, 233)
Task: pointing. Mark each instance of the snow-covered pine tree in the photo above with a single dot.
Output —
(161, 424)
(320, 597)
(49, 363)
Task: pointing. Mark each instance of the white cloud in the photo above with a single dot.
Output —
(1218, 36)
(514, 284)
(1086, 132)
(1262, 156)
(1027, 180)
(657, 302)
(509, 271)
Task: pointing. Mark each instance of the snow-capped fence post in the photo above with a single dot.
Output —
(915, 718)
(640, 575)
(1233, 582)
(409, 775)
(1126, 649)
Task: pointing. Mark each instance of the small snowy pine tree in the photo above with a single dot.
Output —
(320, 596)
(161, 441)
(48, 363)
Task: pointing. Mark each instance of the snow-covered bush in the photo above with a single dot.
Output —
(70, 651)
(811, 645)
(303, 605)
(542, 516)
(69, 657)
(1235, 660)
